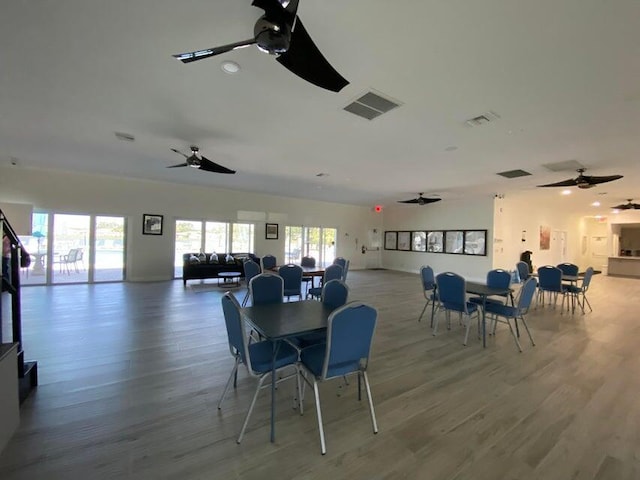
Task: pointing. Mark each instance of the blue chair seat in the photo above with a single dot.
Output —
(315, 291)
(501, 309)
(261, 353)
(471, 307)
(313, 358)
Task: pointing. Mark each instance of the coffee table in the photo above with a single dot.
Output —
(229, 279)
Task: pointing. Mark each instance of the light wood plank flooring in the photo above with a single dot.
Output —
(130, 375)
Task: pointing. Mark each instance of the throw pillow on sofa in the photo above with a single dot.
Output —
(229, 259)
(193, 260)
(214, 259)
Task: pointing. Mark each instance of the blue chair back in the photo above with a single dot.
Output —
(251, 269)
(235, 327)
(568, 268)
(451, 291)
(266, 288)
(332, 272)
(340, 261)
(292, 277)
(526, 295)
(350, 331)
(335, 293)
(427, 277)
(586, 280)
(498, 278)
(308, 262)
(523, 270)
(269, 262)
(550, 278)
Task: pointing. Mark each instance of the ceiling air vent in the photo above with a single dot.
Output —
(483, 119)
(566, 166)
(514, 174)
(371, 105)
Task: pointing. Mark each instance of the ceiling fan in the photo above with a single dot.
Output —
(420, 200)
(196, 160)
(583, 181)
(628, 205)
(280, 32)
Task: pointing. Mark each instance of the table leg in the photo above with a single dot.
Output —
(275, 346)
(484, 324)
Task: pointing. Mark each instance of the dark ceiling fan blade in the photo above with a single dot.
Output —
(428, 200)
(565, 183)
(209, 166)
(596, 180)
(628, 206)
(413, 200)
(305, 60)
(189, 57)
(179, 152)
(179, 165)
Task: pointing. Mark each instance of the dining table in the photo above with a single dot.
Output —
(278, 321)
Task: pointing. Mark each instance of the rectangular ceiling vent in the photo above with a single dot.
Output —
(514, 174)
(483, 119)
(566, 166)
(371, 105)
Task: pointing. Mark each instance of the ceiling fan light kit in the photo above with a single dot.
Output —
(196, 160)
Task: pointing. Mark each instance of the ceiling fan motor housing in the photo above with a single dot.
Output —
(272, 36)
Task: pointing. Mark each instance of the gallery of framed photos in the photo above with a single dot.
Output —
(459, 242)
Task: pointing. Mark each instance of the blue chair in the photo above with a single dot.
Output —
(350, 332)
(269, 262)
(550, 282)
(251, 269)
(340, 261)
(266, 288)
(523, 271)
(332, 272)
(311, 263)
(452, 297)
(292, 277)
(497, 278)
(568, 269)
(428, 287)
(576, 292)
(498, 310)
(256, 356)
(334, 295)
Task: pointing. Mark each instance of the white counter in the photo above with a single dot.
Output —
(624, 266)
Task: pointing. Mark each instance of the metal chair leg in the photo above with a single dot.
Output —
(524, 322)
(233, 376)
(374, 423)
(253, 403)
(513, 334)
(323, 447)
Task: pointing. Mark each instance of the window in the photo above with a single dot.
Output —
(216, 237)
(316, 242)
(242, 238)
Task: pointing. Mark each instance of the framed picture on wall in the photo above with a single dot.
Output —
(390, 240)
(453, 241)
(271, 231)
(419, 241)
(151, 224)
(475, 242)
(435, 242)
(404, 241)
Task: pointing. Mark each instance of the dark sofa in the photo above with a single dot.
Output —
(198, 267)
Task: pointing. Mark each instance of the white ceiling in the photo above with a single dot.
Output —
(562, 75)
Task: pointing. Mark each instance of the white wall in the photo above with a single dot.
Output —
(151, 257)
(476, 214)
(527, 212)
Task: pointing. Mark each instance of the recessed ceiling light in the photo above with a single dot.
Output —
(598, 217)
(566, 192)
(230, 67)
(615, 211)
(595, 204)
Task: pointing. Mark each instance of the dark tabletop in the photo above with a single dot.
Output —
(482, 289)
(283, 320)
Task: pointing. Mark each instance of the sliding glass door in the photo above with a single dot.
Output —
(316, 242)
(109, 262)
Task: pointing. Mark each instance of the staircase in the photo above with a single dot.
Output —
(27, 372)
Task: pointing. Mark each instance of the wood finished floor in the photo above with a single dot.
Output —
(130, 375)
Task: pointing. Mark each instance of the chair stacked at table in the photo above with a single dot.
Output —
(332, 272)
(550, 283)
(452, 298)
(578, 294)
(428, 281)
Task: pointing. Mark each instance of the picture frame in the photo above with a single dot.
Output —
(390, 240)
(475, 242)
(271, 231)
(404, 241)
(152, 224)
(435, 241)
(454, 241)
(419, 241)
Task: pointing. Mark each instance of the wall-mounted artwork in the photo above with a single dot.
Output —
(475, 242)
(435, 242)
(404, 241)
(453, 241)
(419, 241)
(152, 224)
(545, 237)
(390, 240)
